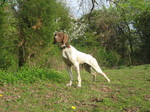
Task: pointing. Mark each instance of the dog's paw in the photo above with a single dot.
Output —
(109, 80)
(68, 85)
(78, 86)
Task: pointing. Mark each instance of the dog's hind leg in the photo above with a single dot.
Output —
(95, 65)
(102, 73)
(88, 68)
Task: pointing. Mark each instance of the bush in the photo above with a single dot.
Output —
(107, 58)
(29, 75)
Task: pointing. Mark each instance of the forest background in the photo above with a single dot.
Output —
(33, 76)
(120, 33)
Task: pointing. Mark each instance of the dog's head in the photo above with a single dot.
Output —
(60, 37)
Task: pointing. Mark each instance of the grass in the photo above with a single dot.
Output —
(42, 90)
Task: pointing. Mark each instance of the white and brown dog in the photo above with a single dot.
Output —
(73, 57)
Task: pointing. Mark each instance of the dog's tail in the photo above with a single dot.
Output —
(93, 51)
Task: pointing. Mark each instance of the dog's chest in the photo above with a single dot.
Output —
(66, 54)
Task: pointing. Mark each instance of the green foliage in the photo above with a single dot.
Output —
(8, 33)
(120, 33)
(29, 75)
(26, 35)
(142, 24)
(49, 14)
(38, 20)
(122, 29)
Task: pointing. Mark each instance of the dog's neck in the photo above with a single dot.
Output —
(64, 46)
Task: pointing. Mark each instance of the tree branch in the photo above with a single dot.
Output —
(93, 6)
(118, 6)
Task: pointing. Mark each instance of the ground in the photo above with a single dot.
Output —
(128, 92)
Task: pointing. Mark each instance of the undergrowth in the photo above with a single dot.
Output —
(29, 75)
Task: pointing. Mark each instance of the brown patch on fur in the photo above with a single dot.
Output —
(65, 39)
(61, 38)
(68, 46)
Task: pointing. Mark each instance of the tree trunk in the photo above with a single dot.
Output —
(21, 50)
(130, 41)
(21, 60)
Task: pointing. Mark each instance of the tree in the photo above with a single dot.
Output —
(38, 20)
(142, 25)
(117, 28)
(8, 33)
(26, 34)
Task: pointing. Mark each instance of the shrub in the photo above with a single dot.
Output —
(29, 75)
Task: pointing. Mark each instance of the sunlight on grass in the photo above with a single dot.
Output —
(128, 91)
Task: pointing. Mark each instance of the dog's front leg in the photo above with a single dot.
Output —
(78, 73)
(71, 76)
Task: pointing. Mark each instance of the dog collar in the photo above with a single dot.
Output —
(64, 47)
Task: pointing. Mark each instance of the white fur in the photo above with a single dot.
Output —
(74, 57)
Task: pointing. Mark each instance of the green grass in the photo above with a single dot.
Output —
(43, 90)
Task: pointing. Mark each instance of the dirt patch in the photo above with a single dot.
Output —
(91, 102)
(85, 106)
(102, 88)
(82, 102)
(8, 98)
(114, 97)
(147, 97)
(106, 89)
(96, 100)
(49, 95)
(131, 109)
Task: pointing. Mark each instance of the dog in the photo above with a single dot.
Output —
(73, 57)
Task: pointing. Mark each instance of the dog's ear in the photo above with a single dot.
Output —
(65, 39)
